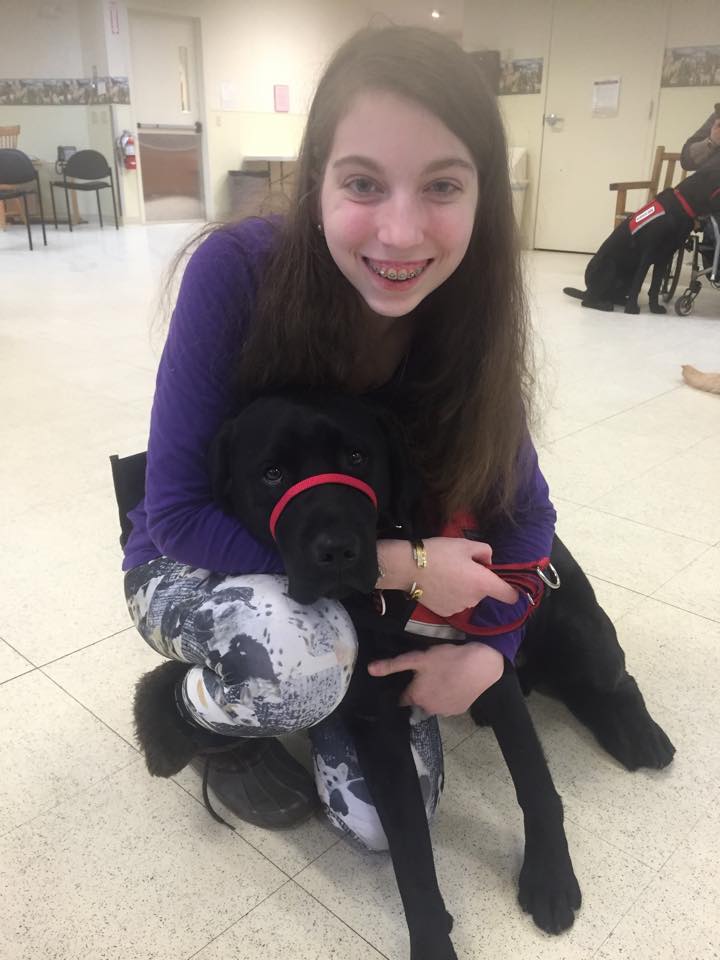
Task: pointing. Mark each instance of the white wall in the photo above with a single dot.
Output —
(40, 39)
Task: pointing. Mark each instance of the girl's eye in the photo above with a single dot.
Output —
(273, 475)
(357, 458)
(362, 186)
(444, 188)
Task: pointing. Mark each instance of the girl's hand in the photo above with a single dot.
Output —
(454, 579)
(448, 678)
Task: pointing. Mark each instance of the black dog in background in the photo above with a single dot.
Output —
(650, 237)
(327, 538)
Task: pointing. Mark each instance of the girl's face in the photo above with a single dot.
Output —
(397, 202)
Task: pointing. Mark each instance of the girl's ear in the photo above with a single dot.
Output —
(220, 465)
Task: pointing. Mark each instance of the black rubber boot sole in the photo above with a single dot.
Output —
(260, 783)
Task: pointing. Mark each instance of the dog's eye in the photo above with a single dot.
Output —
(273, 475)
(357, 457)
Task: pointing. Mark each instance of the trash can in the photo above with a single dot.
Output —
(248, 193)
(518, 180)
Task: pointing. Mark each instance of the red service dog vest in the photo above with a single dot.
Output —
(651, 211)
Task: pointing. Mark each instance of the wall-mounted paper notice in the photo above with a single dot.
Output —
(605, 97)
(281, 92)
(229, 96)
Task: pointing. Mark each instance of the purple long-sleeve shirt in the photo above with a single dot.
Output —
(178, 517)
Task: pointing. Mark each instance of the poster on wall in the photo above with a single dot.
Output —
(606, 97)
(521, 76)
(691, 67)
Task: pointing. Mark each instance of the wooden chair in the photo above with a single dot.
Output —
(8, 139)
(661, 177)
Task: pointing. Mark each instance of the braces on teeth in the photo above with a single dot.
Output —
(393, 274)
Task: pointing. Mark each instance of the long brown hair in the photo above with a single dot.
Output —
(465, 401)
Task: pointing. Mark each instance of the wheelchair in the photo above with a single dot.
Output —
(705, 249)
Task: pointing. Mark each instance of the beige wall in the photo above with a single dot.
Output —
(519, 30)
(681, 110)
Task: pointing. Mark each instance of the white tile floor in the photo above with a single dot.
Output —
(97, 860)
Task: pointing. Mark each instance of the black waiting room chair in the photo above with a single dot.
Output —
(128, 474)
(19, 180)
(85, 170)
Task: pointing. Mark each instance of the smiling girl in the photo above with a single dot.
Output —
(396, 273)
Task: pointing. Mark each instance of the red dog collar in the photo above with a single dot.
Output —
(316, 481)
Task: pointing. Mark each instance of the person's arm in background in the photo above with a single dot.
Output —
(192, 399)
(702, 145)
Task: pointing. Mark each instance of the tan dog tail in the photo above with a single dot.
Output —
(700, 380)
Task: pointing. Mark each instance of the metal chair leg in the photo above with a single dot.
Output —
(27, 219)
(97, 197)
(67, 204)
(52, 197)
(112, 191)
(42, 212)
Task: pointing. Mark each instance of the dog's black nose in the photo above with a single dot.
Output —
(340, 551)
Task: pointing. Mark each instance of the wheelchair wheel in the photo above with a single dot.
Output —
(684, 304)
(672, 275)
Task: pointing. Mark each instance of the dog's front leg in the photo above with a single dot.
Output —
(548, 888)
(659, 270)
(632, 305)
(383, 749)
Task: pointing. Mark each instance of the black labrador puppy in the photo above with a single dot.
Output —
(326, 534)
(323, 477)
(650, 237)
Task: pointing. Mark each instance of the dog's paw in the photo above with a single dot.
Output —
(630, 734)
(548, 890)
(434, 944)
(632, 308)
(657, 308)
(433, 951)
(605, 305)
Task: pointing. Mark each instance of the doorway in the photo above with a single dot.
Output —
(166, 95)
(583, 152)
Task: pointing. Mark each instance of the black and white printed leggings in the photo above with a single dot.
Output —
(264, 665)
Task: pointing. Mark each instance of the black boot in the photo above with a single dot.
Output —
(256, 778)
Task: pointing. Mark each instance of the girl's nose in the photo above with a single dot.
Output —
(401, 223)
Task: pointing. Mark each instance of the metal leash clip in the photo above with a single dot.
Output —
(552, 584)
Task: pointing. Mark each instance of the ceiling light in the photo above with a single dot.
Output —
(435, 14)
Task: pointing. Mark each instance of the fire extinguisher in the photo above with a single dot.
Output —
(126, 147)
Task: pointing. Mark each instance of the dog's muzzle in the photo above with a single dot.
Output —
(316, 481)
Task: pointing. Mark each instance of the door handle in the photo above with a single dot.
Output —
(552, 118)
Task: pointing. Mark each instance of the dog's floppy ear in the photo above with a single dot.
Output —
(219, 465)
(404, 476)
